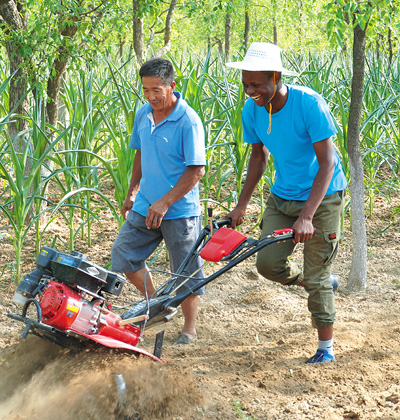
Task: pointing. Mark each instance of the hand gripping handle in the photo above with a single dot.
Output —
(283, 231)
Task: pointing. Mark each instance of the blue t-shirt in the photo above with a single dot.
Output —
(167, 150)
(305, 119)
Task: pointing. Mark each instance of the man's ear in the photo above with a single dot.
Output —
(173, 84)
(277, 77)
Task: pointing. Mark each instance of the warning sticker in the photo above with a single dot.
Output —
(72, 308)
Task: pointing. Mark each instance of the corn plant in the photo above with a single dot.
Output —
(379, 132)
(233, 104)
(67, 202)
(22, 192)
(82, 105)
(124, 97)
(197, 87)
(4, 91)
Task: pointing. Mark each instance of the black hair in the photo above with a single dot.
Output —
(158, 67)
(268, 73)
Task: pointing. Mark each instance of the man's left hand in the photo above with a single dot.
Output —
(303, 231)
(155, 214)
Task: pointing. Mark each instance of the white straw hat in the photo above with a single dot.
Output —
(262, 56)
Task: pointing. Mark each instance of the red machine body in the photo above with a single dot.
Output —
(60, 305)
(65, 309)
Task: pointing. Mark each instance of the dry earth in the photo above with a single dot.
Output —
(254, 337)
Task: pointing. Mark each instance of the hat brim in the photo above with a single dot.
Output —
(252, 66)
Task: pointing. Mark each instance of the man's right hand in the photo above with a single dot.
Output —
(236, 215)
(126, 208)
(257, 164)
(134, 185)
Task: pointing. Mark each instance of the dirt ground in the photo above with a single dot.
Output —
(248, 363)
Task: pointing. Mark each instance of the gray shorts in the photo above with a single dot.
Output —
(135, 243)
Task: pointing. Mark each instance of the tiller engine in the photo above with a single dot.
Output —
(68, 292)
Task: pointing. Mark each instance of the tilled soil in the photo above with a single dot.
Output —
(249, 360)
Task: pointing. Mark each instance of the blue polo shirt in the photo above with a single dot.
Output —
(167, 150)
(304, 120)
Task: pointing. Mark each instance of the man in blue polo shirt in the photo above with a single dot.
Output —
(163, 198)
(294, 124)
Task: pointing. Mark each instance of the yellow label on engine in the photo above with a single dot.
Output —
(72, 308)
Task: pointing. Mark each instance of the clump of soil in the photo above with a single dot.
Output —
(42, 381)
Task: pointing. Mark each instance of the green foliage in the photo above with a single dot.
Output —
(3, 90)
(76, 30)
(345, 14)
(87, 155)
(21, 192)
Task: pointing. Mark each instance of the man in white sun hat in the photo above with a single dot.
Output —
(294, 124)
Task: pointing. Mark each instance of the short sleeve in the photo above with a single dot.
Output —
(194, 143)
(318, 118)
(249, 133)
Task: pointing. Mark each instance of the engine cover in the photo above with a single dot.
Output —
(64, 309)
(60, 305)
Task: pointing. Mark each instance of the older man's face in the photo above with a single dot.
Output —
(159, 95)
(259, 86)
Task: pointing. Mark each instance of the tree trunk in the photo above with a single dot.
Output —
(53, 93)
(228, 26)
(358, 272)
(167, 34)
(14, 18)
(138, 33)
(274, 27)
(219, 43)
(54, 82)
(390, 46)
(246, 27)
(275, 34)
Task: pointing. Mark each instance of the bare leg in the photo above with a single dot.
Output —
(137, 278)
(325, 334)
(189, 310)
(189, 305)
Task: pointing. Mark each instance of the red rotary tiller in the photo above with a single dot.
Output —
(72, 295)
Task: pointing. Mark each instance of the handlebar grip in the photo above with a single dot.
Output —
(283, 231)
(225, 222)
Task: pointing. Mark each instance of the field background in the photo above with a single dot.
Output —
(63, 181)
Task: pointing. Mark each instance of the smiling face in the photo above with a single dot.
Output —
(159, 95)
(259, 86)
